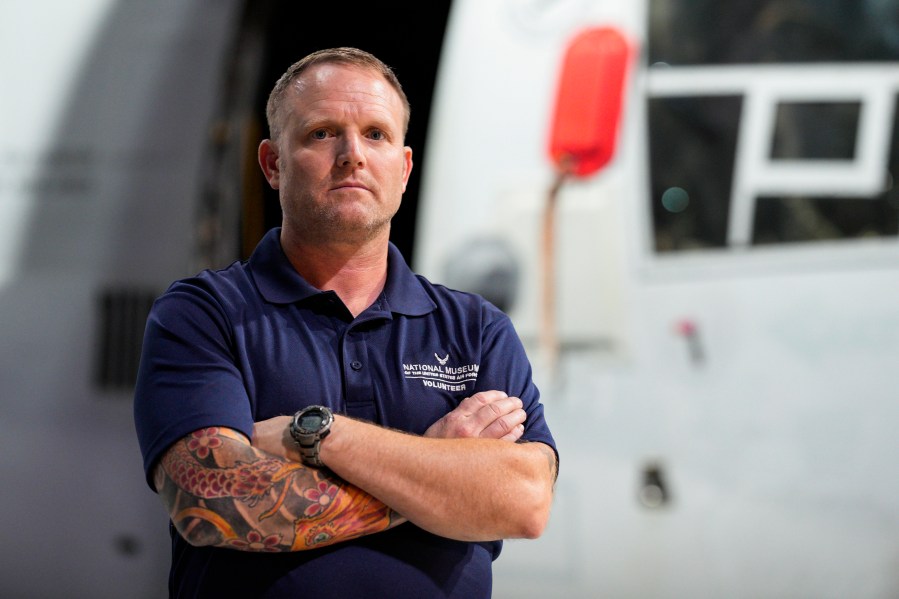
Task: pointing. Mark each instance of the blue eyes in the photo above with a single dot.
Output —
(374, 134)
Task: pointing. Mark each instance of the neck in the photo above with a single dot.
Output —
(356, 272)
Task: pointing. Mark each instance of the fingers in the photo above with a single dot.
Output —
(515, 434)
(503, 419)
(471, 405)
(493, 412)
(493, 415)
(487, 414)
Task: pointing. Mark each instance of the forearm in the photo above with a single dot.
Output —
(466, 489)
(223, 492)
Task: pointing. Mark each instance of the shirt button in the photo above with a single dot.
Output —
(356, 365)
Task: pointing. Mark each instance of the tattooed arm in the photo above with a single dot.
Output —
(219, 490)
(456, 481)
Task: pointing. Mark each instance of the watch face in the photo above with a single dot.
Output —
(311, 422)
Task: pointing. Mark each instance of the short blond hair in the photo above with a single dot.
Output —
(344, 55)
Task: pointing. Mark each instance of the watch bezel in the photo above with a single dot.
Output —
(297, 430)
(307, 440)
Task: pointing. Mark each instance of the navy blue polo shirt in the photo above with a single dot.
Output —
(255, 340)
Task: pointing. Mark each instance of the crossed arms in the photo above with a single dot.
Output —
(466, 478)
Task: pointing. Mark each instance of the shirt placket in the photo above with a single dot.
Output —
(357, 380)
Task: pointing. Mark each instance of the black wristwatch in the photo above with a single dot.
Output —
(308, 428)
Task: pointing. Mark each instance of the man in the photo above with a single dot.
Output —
(405, 459)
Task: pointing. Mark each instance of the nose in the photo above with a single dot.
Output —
(350, 153)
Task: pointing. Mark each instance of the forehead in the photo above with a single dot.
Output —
(334, 89)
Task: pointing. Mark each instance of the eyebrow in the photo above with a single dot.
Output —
(383, 124)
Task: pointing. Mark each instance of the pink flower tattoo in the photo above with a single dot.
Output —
(255, 542)
(202, 442)
(321, 498)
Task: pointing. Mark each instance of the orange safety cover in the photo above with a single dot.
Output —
(588, 103)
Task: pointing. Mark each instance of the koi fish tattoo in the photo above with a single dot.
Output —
(221, 491)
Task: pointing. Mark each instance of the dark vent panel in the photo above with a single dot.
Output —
(122, 318)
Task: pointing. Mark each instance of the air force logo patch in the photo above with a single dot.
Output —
(442, 373)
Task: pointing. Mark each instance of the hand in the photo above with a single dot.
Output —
(488, 414)
(273, 436)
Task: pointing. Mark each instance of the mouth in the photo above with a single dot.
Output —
(350, 185)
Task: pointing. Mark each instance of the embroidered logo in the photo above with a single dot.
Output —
(442, 375)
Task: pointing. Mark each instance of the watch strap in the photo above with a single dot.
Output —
(309, 453)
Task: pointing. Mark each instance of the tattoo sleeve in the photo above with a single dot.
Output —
(222, 491)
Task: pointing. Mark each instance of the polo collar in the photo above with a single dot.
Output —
(279, 283)
(403, 291)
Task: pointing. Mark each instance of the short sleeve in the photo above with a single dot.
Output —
(505, 366)
(188, 377)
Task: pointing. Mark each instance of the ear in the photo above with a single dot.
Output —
(268, 160)
(407, 165)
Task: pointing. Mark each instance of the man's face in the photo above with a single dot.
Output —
(339, 165)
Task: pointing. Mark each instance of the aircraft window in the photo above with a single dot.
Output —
(692, 149)
(815, 130)
(803, 218)
(704, 32)
(772, 121)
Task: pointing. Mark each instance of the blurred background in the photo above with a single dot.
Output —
(712, 319)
